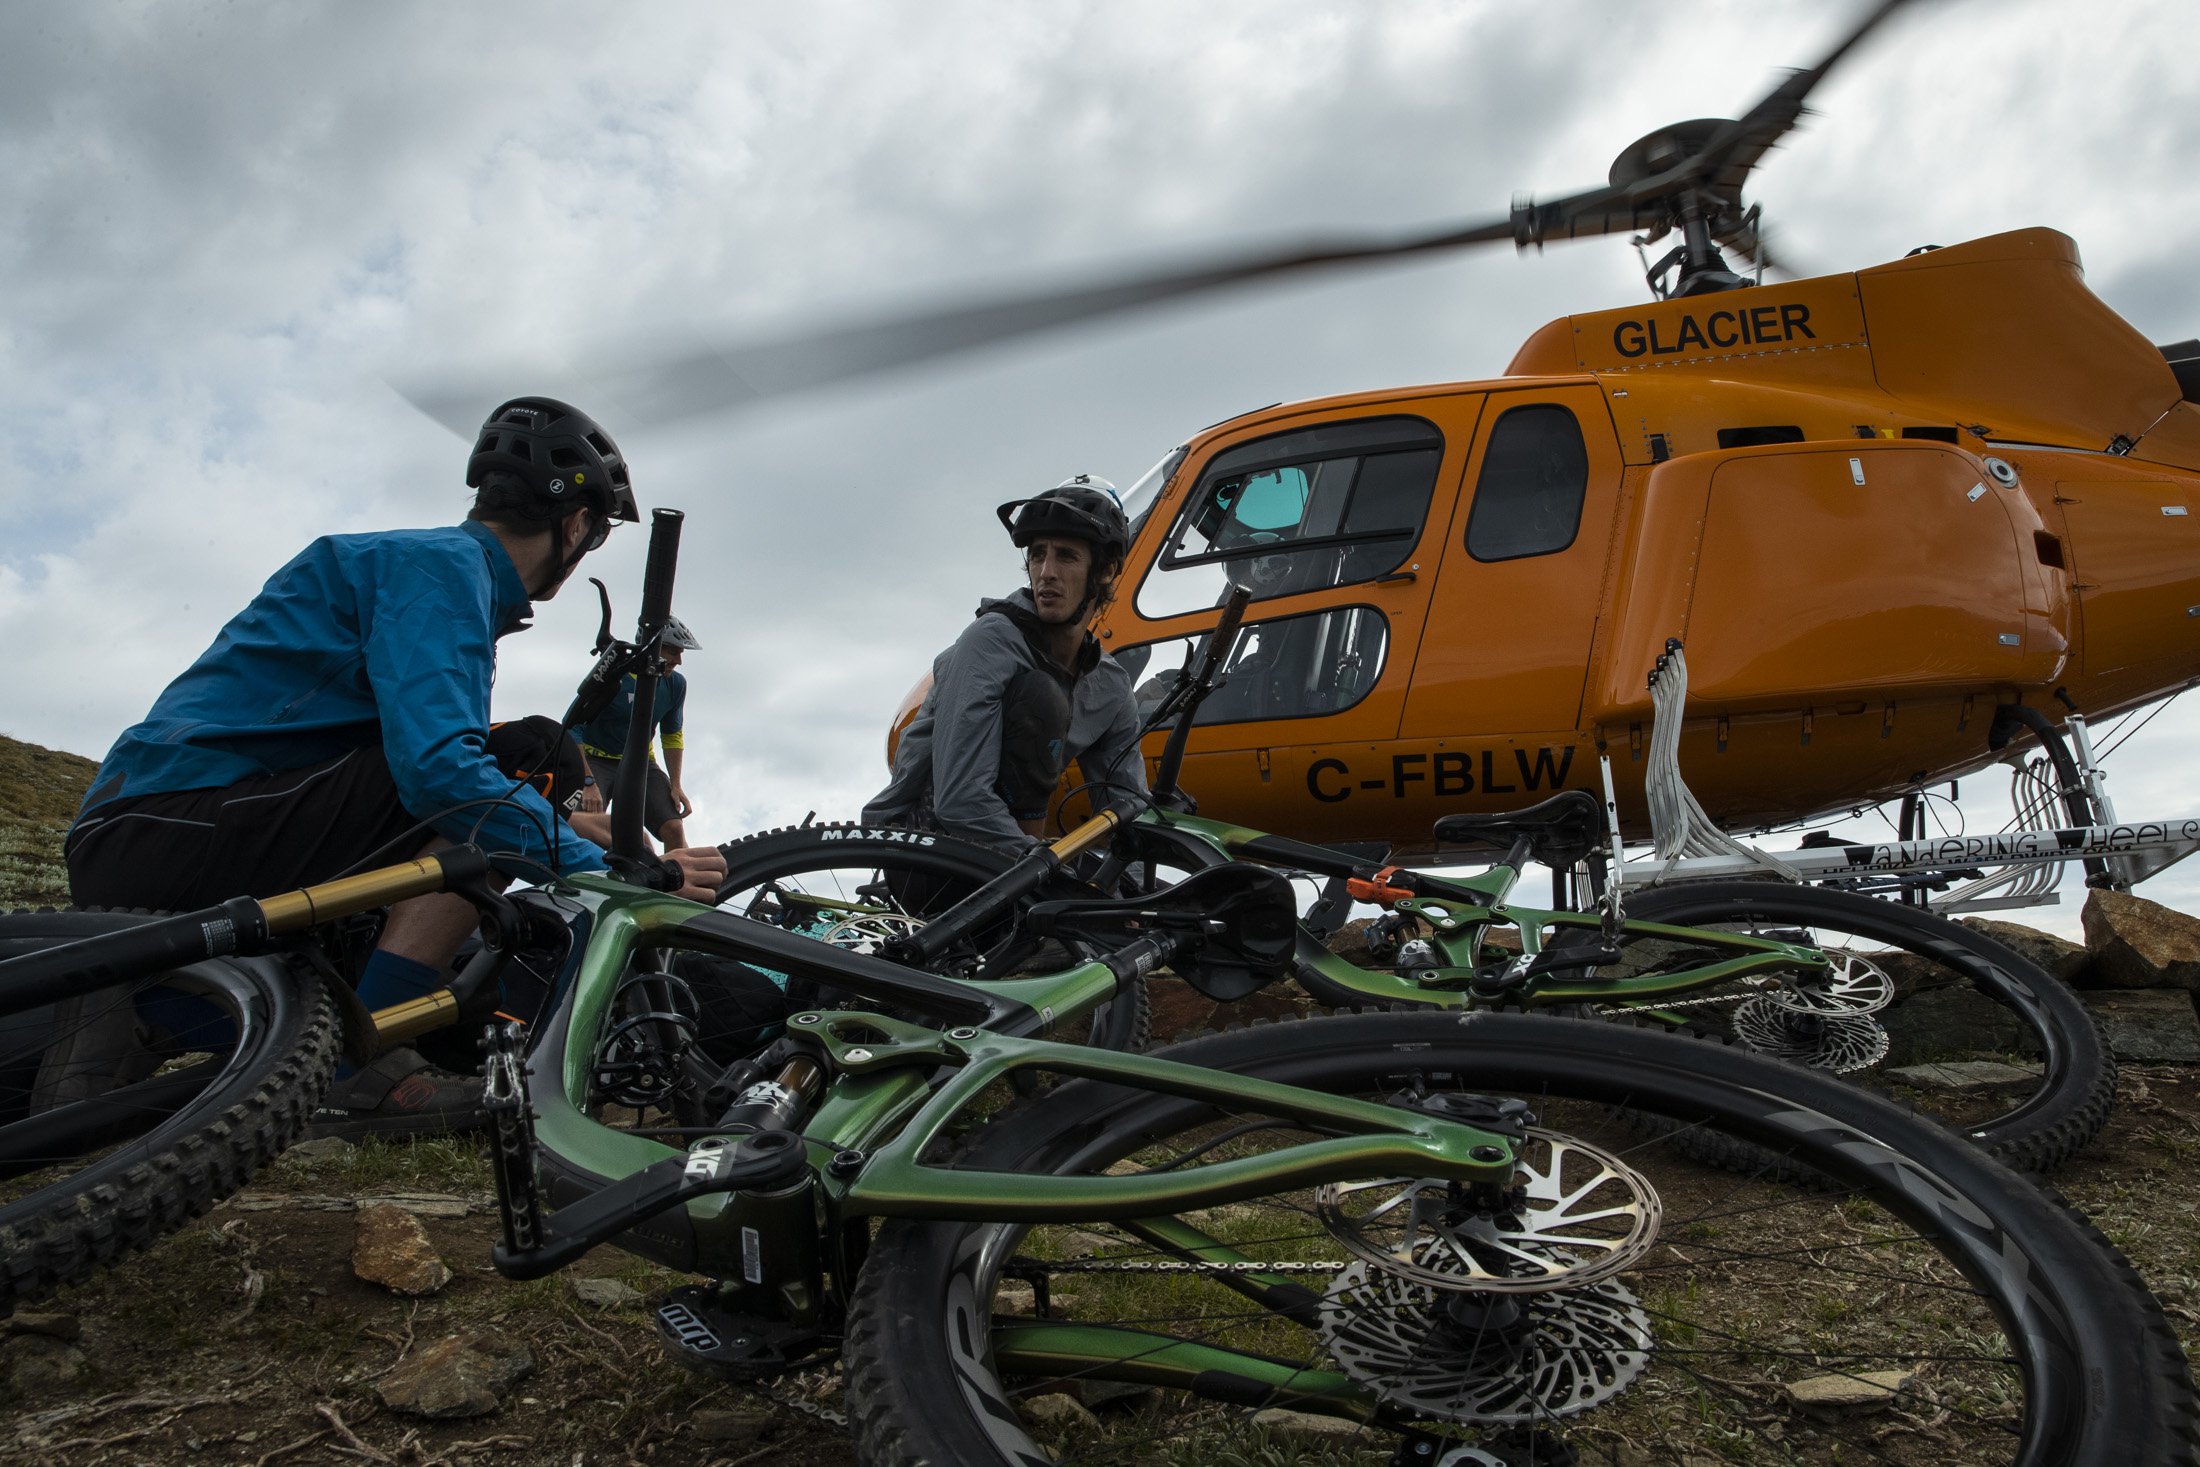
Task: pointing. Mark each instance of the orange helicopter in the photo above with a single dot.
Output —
(1460, 588)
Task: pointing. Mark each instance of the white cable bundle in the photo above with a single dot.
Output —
(1679, 826)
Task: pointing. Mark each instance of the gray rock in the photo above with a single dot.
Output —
(2139, 944)
(1014, 1296)
(2147, 1026)
(392, 1249)
(604, 1293)
(37, 1366)
(64, 1327)
(1121, 1395)
(1350, 941)
(2057, 955)
(1872, 1390)
(1308, 1426)
(460, 1376)
(1966, 1075)
(1059, 1415)
(309, 1155)
(732, 1427)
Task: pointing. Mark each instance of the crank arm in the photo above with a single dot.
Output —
(765, 1160)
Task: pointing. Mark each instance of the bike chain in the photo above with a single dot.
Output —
(802, 1405)
(1716, 1000)
(1171, 1265)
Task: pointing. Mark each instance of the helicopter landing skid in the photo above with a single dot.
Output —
(1689, 846)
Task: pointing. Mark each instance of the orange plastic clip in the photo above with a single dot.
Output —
(1376, 889)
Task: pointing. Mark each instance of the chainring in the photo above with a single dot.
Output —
(1569, 1351)
(1836, 1043)
(1573, 1214)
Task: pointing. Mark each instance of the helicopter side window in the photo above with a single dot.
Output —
(1299, 511)
(1290, 667)
(1534, 477)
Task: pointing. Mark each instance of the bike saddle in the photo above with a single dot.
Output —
(1560, 830)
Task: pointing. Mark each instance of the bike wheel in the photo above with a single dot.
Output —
(858, 885)
(1982, 1320)
(130, 1109)
(1957, 996)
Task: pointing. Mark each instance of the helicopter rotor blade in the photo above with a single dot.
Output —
(1739, 148)
(1714, 158)
(1718, 163)
(716, 378)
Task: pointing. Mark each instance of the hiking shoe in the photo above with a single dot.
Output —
(400, 1094)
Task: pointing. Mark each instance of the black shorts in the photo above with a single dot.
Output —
(657, 807)
(261, 836)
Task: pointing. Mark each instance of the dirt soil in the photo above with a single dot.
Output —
(246, 1338)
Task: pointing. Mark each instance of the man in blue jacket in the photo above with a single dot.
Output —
(342, 720)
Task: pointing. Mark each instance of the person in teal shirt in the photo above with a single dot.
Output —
(665, 802)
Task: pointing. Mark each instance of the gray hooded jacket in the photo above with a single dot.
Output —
(949, 759)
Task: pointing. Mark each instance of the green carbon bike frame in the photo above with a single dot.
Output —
(891, 1088)
(1462, 912)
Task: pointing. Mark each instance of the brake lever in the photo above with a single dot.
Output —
(603, 628)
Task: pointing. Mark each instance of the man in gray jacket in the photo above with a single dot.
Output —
(1025, 688)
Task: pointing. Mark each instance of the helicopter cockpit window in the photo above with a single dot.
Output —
(1301, 511)
(1138, 500)
(1291, 667)
(1534, 477)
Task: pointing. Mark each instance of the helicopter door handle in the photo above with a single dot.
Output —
(1395, 578)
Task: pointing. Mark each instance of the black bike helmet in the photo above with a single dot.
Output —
(545, 459)
(1080, 508)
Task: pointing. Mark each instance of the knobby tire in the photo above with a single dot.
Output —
(63, 1216)
(2024, 1337)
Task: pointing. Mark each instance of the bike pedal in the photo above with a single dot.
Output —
(711, 1339)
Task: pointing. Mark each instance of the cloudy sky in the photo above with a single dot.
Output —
(226, 227)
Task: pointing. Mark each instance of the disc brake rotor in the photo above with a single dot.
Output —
(867, 932)
(1552, 1355)
(1838, 1043)
(1853, 986)
(1571, 1215)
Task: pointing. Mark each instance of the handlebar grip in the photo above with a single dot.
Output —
(658, 573)
(92, 963)
(1233, 613)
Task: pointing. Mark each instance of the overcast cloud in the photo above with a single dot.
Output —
(226, 225)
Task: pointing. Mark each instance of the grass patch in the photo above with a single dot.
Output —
(458, 1164)
(40, 790)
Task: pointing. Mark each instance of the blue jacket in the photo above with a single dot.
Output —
(386, 638)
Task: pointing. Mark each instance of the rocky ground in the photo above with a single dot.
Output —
(343, 1309)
